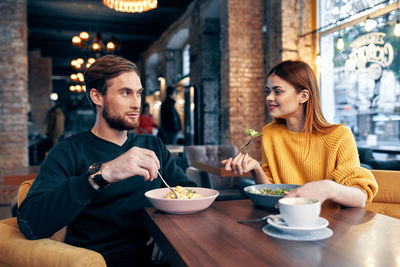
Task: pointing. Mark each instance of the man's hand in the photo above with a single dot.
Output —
(136, 161)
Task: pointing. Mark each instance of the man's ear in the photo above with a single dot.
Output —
(304, 96)
(96, 97)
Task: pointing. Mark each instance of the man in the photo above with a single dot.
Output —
(94, 182)
(170, 120)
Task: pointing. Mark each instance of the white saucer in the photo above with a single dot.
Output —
(312, 236)
(320, 224)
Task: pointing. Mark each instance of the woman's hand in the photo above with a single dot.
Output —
(242, 163)
(316, 190)
(323, 190)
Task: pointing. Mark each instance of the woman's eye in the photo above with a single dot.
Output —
(267, 91)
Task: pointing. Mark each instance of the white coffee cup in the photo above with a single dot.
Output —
(299, 212)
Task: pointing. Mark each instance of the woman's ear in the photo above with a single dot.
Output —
(96, 97)
(304, 96)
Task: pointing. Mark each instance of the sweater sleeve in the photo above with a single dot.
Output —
(56, 196)
(348, 171)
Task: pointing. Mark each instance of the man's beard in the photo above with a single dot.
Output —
(115, 121)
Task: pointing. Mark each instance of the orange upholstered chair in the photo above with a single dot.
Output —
(16, 250)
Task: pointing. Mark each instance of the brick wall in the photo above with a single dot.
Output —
(297, 21)
(13, 91)
(13, 83)
(242, 72)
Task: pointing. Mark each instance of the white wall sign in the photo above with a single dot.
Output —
(369, 48)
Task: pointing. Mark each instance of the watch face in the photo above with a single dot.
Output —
(95, 167)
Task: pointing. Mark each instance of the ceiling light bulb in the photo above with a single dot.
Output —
(84, 35)
(110, 46)
(78, 88)
(340, 43)
(76, 40)
(95, 46)
(72, 88)
(73, 77)
(88, 65)
(370, 24)
(396, 30)
(54, 96)
(73, 63)
(91, 60)
(80, 61)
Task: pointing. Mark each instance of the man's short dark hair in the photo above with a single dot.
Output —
(104, 69)
(170, 90)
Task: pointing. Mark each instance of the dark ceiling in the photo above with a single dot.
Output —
(53, 23)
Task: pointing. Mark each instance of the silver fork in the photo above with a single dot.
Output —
(271, 216)
(172, 190)
(251, 139)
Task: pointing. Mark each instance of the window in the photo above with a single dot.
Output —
(360, 81)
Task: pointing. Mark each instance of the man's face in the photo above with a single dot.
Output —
(121, 105)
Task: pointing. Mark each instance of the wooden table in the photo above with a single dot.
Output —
(17, 175)
(216, 168)
(214, 238)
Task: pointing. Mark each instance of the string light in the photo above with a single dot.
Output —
(370, 24)
(340, 43)
(396, 30)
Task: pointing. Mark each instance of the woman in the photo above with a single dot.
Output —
(300, 147)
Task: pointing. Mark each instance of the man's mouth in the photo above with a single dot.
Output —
(133, 115)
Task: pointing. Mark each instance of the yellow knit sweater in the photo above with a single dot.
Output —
(294, 158)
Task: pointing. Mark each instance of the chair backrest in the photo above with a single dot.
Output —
(389, 186)
(209, 152)
(23, 190)
(213, 153)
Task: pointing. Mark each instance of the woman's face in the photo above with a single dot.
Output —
(282, 99)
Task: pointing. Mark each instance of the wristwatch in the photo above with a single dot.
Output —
(95, 177)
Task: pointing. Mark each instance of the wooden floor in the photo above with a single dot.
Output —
(4, 212)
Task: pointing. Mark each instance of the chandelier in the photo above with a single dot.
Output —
(131, 6)
(97, 45)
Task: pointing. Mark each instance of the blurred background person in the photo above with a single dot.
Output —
(146, 121)
(170, 120)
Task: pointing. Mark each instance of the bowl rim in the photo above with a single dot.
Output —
(214, 195)
(246, 190)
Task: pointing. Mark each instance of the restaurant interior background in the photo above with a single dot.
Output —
(216, 52)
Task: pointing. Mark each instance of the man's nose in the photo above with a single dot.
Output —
(136, 101)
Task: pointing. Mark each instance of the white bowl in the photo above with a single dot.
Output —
(157, 198)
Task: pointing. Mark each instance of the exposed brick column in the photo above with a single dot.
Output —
(297, 20)
(13, 83)
(242, 72)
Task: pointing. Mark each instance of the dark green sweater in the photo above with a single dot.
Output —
(109, 221)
